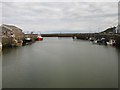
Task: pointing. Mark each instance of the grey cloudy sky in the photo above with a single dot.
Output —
(60, 16)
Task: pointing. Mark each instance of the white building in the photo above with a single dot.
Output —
(117, 29)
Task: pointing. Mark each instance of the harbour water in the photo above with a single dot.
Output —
(60, 63)
(0, 70)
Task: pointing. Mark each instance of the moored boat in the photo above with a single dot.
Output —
(27, 41)
(39, 38)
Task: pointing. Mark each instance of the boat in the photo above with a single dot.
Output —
(27, 41)
(95, 42)
(39, 38)
(91, 39)
(111, 42)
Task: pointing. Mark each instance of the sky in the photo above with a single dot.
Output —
(61, 17)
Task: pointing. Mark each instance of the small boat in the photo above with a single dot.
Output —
(95, 42)
(111, 42)
(27, 41)
(91, 39)
(39, 38)
(74, 37)
(0, 46)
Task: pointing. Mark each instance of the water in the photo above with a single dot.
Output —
(60, 63)
(0, 70)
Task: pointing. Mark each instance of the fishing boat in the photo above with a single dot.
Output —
(39, 38)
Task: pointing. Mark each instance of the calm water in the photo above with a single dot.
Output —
(0, 70)
(60, 63)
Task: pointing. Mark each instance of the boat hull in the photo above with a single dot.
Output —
(39, 39)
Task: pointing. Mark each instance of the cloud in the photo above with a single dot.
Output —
(60, 0)
(0, 13)
(60, 16)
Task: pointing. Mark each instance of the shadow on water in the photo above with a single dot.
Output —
(8, 50)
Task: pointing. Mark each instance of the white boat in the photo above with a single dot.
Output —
(0, 46)
(27, 41)
(95, 41)
(111, 42)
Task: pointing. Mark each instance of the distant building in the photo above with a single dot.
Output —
(110, 30)
(5, 31)
(117, 29)
(8, 32)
